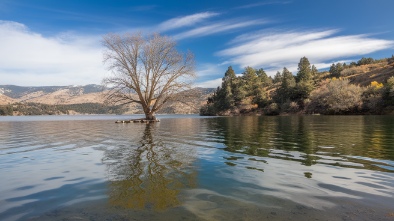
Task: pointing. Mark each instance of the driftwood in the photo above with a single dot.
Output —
(137, 121)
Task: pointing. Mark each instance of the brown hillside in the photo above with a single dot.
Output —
(63, 96)
(363, 75)
(4, 100)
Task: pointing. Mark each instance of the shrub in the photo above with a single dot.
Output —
(376, 85)
(272, 109)
(336, 97)
(388, 94)
(349, 71)
(208, 110)
(373, 98)
(290, 107)
(364, 61)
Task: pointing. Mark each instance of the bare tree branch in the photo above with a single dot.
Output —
(146, 70)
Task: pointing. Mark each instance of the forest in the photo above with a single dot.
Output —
(343, 89)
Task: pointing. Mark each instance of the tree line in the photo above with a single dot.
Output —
(46, 109)
(309, 91)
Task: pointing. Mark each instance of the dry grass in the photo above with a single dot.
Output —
(4, 100)
(62, 97)
(363, 75)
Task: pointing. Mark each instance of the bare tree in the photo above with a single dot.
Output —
(146, 70)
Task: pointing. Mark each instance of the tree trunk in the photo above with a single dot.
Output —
(150, 116)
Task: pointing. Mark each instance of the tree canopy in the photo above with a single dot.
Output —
(147, 70)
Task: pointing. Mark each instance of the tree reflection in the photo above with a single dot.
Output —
(149, 175)
(310, 139)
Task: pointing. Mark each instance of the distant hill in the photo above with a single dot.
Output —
(84, 98)
(22, 93)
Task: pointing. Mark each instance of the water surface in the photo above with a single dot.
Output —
(192, 168)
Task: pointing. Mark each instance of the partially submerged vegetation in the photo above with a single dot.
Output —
(363, 87)
(146, 70)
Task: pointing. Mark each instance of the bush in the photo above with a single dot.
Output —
(290, 107)
(388, 94)
(373, 98)
(208, 110)
(272, 109)
(336, 96)
(364, 61)
(349, 71)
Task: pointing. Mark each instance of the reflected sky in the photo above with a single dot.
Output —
(201, 168)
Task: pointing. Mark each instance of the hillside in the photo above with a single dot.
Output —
(4, 100)
(362, 87)
(365, 74)
(84, 99)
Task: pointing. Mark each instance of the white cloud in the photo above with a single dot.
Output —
(208, 69)
(210, 83)
(274, 50)
(185, 21)
(28, 58)
(217, 28)
(263, 4)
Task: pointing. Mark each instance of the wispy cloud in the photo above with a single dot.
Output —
(217, 28)
(29, 58)
(210, 83)
(185, 21)
(276, 49)
(263, 4)
(209, 70)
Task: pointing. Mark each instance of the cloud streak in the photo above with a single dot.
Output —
(275, 50)
(32, 59)
(263, 4)
(185, 21)
(217, 28)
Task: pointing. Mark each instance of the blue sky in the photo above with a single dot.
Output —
(46, 42)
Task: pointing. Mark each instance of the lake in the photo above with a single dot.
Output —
(197, 168)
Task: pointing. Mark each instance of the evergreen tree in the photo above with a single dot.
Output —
(229, 75)
(288, 80)
(225, 93)
(263, 78)
(278, 77)
(249, 78)
(336, 69)
(304, 79)
(286, 88)
(304, 70)
(315, 72)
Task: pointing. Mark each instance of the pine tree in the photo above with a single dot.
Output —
(336, 69)
(278, 77)
(226, 97)
(304, 79)
(286, 88)
(263, 78)
(304, 70)
(249, 83)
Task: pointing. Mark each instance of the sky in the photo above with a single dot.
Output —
(48, 43)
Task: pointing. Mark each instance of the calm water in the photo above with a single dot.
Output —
(192, 168)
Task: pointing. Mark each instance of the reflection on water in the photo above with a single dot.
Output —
(239, 168)
(345, 141)
(149, 176)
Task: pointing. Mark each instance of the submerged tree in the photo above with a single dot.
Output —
(146, 70)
